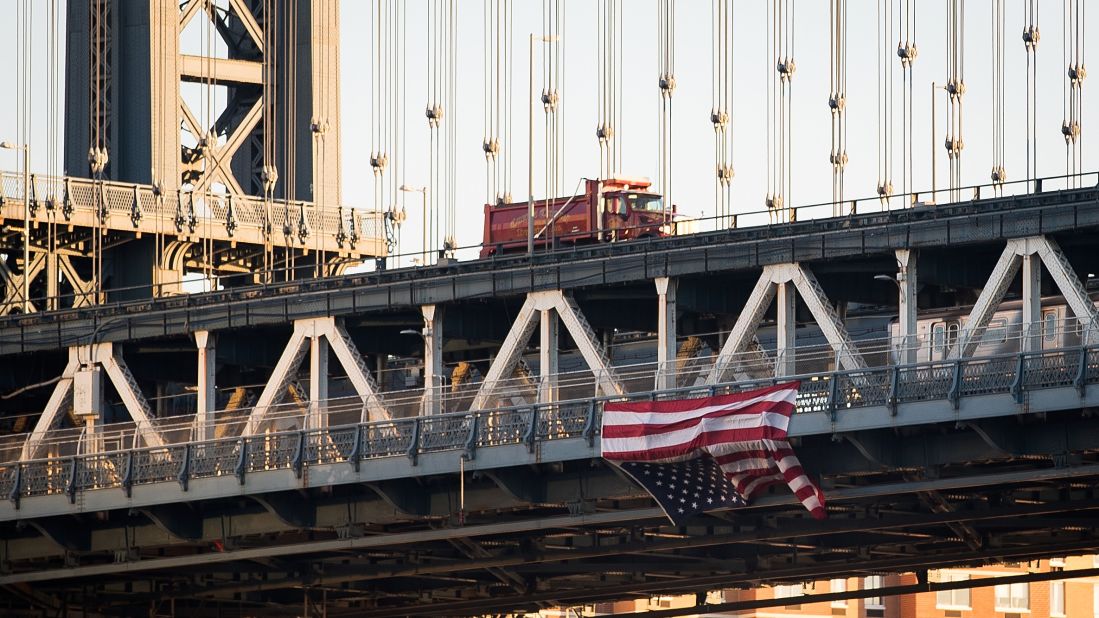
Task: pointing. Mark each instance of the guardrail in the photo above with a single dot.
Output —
(117, 205)
(356, 445)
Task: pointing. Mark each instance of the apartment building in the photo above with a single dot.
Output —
(1062, 598)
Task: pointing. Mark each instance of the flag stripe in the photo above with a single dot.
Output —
(745, 434)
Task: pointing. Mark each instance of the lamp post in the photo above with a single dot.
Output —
(530, 137)
(423, 193)
(26, 148)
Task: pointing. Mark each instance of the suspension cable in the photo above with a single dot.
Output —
(609, 26)
(999, 172)
(837, 99)
(666, 83)
(885, 103)
(721, 109)
(781, 84)
(1031, 37)
(1073, 29)
(907, 52)
(955, 89)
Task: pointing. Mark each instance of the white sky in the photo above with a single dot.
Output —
(693, 138)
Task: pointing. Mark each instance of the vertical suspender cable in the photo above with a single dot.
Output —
(885, 104)
(721, 108)
(837, 99)
(666, 84)
(1075, 72)
(782, 84)
(1031, 37)
(999, 173)
(907, 52)
(955, 89)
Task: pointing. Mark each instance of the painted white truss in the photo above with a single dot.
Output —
(85, 364)
(1030, 253)
(778, 279)
(530, 316)
(315, 336)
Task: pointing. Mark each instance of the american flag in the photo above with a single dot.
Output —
(744, 433)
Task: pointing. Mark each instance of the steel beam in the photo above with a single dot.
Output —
(207, 387)
(547, 356)
(1070, 285)
(275, 389)
(667, 332)
(908, 343)
(545, 523)
(744, 330)
(318, 381)
(1032, 303)
(357, 372)
(55, 409)
(847, 354)
(786, 330)
(991, 295)
(510, 352)
(433, 359)
(606, 379)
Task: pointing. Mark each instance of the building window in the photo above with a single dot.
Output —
(953, 599)
(1013, 597)
(871, 583)
(1057, 598)
(838, 585)
(1057, 562)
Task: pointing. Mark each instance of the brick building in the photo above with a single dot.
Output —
(1075, 598)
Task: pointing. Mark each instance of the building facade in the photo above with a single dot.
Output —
(1063, 598)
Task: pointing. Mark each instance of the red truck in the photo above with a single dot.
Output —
(608, 210)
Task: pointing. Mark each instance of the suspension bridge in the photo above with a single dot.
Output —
(230, 386)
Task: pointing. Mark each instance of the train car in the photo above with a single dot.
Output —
(937, 330)
(608, 210)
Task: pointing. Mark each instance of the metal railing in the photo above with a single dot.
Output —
(833, 393)
(140, 207)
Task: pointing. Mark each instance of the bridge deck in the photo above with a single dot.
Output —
(842, 402)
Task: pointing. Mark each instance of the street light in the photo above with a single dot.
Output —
(530, 138)
(423, 192)
(26, 148)
(888, 278)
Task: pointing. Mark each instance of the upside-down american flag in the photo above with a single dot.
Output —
(744, 433)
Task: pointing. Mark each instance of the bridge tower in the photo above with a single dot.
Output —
(233, 97)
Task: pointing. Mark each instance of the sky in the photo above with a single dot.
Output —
(693, 136)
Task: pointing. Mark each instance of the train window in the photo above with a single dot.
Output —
(938, 338)
(943, 336)
(996, 332)
(1049, 325)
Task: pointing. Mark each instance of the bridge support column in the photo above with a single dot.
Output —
(79, 383)
(88, 406)
(53, 282)
(908, 343)
(1032, 252)
(547, 357)
(774, 279)
(511, 351)
(786, 330)
(318, 382)
(666, 332)
(1032, 303)
(207, 389)
(304, 339)
(433, 359)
